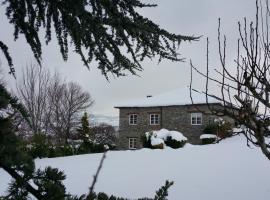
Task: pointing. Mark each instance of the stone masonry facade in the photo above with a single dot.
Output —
(171, 117)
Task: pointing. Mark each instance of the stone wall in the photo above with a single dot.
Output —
(127, 131)
(171, 117)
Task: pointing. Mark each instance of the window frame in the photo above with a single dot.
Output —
(132, 143)
(154, 120)
(196, 116)
(133, 121)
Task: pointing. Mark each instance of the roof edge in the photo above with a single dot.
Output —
(214, 103)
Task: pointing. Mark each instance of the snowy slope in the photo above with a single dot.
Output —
(96, 119)
(228, 170)
(180, 96)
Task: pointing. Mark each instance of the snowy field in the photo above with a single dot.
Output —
(228, 170)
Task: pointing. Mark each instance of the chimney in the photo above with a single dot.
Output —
(148, 96)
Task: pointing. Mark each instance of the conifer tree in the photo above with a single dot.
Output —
(18, 164)
(85, 130)
(112, 32)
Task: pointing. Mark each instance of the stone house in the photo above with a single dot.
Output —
(172, 110)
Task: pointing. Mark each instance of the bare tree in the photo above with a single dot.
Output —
(67, 102)
(75, 100)
(244, 89)
(33, 92)
(54, 106)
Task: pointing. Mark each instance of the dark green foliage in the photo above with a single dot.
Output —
(145, 141)
(225, 130)
(174, 143)
(98, 30)
(39, 146)
(98, 148)
(66, 150)
(84, 131)
(4, 49)
(85, 147)
(211, 129)
(162, 193)
(50, 184)
(53, 152)
(19, 164)
(208, 140)
(102, 196)
(90, 148)
(221, 130)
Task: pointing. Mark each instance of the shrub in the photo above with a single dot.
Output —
(146, 141)
(58, 151)
(158, 146)
(39, 146)
(88, 147)
(66, 150)
(208, 140)
(221, 130)
(102, 196)
(174, 143)
(211, 129)
(98, 148)
(53, 152)
(225, 130)
(85, 147)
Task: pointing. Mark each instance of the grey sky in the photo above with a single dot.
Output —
(187, 17)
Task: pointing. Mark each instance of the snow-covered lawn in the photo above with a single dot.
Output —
(228, 170)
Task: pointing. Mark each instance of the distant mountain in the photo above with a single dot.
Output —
(99, 119)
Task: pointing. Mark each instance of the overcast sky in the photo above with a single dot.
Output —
(187, 17)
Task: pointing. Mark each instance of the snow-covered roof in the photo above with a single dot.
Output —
(180, 96)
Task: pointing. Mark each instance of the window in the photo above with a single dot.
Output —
(133, 119)
(196, 118)
(132, 143)
(154, 119)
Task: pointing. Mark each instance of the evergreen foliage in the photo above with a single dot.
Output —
(162, 193)
(84, 131)
(18, 164)
(208, 140)
(211, 129)
(101, 30)
(42, 184)
(39, 147)
(175, 144)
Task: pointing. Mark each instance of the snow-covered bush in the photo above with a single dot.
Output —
(208, 138)
(175, 144)
(158, 139)
(157, 143)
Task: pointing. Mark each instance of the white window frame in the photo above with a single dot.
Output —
(196, 116)
(156, 120)
(132, 120)
(132, 143)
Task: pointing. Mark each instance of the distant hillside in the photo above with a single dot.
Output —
(98, 119)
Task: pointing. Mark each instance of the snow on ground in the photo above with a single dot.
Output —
(228, 170)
